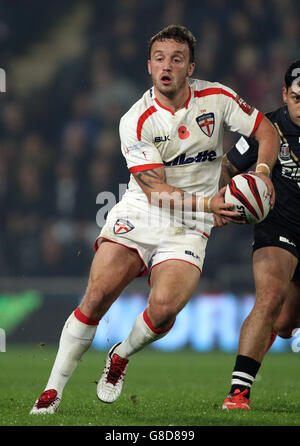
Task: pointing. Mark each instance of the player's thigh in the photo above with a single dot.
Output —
(273, 269)
(172, 285)
(113, 267)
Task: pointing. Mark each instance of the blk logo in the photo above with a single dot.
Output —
(162, 138)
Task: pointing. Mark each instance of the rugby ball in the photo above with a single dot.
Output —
(249, 194)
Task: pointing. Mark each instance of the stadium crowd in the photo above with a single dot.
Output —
(59, 145)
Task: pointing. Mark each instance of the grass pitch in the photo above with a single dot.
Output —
(183, 388)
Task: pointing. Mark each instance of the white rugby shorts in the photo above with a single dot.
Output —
(153, 235)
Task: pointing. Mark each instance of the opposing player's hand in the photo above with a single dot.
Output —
(223, 212)
(269, 184)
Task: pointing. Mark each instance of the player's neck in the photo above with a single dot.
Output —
(176, 102)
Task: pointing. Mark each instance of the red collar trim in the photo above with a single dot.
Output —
(171, 111)
(165, 108)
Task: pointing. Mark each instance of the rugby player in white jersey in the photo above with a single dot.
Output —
(172, 141)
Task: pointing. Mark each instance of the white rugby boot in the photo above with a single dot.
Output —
(48, 403)
(110, 385)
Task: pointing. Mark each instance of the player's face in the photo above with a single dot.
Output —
(292, 99)
(170, 66)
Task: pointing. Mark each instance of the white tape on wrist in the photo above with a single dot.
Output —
(264, 168)
(199, 204)
(208, 205)
(203, 204)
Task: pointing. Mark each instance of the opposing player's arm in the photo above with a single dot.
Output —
(159, 193)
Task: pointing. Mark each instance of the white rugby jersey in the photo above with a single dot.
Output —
(189, 142)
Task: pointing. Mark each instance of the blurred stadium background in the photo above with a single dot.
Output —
(72, 69)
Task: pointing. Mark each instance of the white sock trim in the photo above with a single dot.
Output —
(243, 375)
(239, 382)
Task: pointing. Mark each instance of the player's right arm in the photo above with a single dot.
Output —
(146, 166)
(153, 184)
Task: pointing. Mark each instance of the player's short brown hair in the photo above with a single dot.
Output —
(178, 33)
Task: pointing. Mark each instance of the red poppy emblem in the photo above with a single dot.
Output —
(183, 132)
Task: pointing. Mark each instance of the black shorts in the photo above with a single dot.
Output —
(270, 234)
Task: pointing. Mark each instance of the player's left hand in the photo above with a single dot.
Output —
(269, 184)
(223, 212)
(219, 221)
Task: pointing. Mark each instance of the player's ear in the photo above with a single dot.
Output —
(191, 69)
(149, 67)
(284, 94)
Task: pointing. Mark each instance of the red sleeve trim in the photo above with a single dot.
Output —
(142, 120)
(144, 167)
(258, 120)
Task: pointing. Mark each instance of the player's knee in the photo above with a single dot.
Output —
(97, 300)
(162, 314)
(284, 329)
(285, 334)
